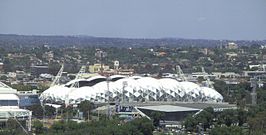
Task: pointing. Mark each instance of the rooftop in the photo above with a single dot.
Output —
(168, 108)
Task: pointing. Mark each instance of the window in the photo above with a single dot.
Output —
(8, 102)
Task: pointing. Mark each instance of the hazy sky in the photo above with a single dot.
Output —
(208, 19)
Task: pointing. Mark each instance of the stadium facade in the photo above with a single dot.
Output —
(129, 89)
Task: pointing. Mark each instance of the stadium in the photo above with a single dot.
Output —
(117, 88)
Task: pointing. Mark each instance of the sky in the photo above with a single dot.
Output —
(194, 19)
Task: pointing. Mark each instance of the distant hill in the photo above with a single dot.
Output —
(82, 41)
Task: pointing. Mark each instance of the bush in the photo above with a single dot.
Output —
(37, 126)
(233, 130)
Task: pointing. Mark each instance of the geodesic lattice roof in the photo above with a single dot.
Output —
(133, 89)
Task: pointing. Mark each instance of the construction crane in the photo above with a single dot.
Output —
(206, 77)
(180, 73)
(73, 86)
(78, 76)
(56, 81)
(81, 71)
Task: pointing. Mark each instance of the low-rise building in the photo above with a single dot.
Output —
(9, 106)
(126, 72)
(97, 68)
(37, 70)
(1, 67)
(21, 75)
(48, 56)
(231, 45)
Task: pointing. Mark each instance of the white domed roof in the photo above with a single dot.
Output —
(191, 88)
(147, 88)
(96, 77)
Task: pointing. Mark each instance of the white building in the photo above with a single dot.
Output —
(9, 106)
(129, 89)
(231, 45)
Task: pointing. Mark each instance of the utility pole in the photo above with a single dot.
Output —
(253, 84)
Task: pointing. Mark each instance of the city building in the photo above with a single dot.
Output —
(231, 45)
(231, 55)
(171, 112)
(261, 67)
(21, 75)
(174, 114)
(126, 72)
(28, 98)
(49, 56)
(9, 106)
(1, 67)
(37, 70)
(97, 68)
(253, 73)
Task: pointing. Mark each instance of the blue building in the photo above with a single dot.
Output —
(28, 99)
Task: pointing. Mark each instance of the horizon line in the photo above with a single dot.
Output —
(84, 35)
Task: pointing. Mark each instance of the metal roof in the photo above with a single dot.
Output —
(168, 108)
(9, 97)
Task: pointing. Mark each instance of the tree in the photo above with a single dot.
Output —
(42, 87)
(58, 127)
(156, 117)
(68, 112)
(141, 126)
(221, 87)
(228, 117)
(13, 126)
(49, 111)
(205, 117)
(21, 87)
(37, 110)
(242, 116)
(190, 123)
(8, 65)
(261, 96)
(3, 77)
(224, 130)
(144, 125)
(86, 107)
(258, 123)
(37, 126)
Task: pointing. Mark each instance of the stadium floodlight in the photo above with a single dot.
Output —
(123, 90)
(108, 79)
